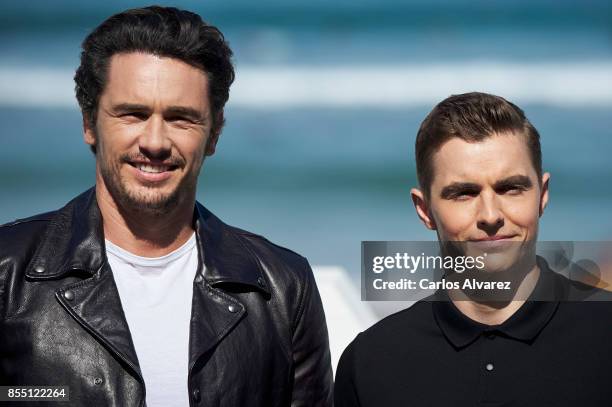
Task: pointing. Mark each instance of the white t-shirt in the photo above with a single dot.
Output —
(156, 295)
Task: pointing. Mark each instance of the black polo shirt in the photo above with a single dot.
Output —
(549, 353)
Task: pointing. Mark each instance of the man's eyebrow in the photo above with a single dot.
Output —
(513, 182)
(456, 188)
(188, 112)
(130, 107)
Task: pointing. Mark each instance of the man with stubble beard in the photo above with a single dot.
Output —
(134, 292)
(482, 190)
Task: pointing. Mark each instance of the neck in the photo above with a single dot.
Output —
(495, 313)
(142, 233)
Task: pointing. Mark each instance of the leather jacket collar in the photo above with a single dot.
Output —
(74, 242)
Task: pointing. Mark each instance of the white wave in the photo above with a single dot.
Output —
(560, 84)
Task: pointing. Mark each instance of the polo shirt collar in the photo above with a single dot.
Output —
(524, 325)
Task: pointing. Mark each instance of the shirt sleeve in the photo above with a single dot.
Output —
(345, 391)
(313, 379)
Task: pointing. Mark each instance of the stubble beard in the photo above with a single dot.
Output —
(141, 198)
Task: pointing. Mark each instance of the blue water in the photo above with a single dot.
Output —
(320, 180)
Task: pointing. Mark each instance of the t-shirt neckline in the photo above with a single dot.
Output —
(150, 261)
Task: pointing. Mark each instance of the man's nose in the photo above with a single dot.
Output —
(490, 214)
(154, 142)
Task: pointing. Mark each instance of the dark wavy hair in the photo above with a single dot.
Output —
(162, 31)
(471, 117)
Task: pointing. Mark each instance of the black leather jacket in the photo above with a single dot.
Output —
(258, 335)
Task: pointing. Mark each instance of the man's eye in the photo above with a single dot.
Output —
(516, 190)
(135, 115)
(464, 196)
(179, 119)
(183, 120)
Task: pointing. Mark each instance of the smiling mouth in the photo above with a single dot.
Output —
(493, 238)
(153, 168)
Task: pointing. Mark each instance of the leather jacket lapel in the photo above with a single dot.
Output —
(73, 245)
(213, 316)
(95, 304)
(227, 263)
(227, 258)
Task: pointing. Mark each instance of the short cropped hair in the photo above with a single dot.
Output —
(471, 117)
(161, 31)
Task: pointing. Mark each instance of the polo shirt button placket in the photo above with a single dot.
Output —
(489, 369)
(489, 335)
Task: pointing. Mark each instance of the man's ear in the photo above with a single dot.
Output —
(89, 134)
(422, 208)
(215, 132)
(544, 192)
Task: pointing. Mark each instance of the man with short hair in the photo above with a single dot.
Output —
(482, 189)
(134, 293)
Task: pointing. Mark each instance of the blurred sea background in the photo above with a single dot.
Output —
(317, 154)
